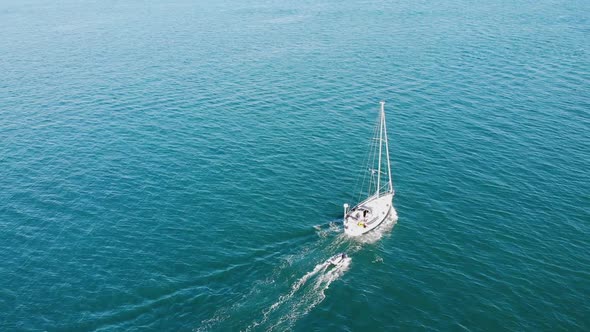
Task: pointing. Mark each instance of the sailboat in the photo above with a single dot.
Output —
(377, 206)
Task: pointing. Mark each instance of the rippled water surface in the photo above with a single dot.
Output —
(182, 165)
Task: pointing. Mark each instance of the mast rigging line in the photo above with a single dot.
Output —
(375, 153)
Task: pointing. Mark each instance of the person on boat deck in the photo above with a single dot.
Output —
(365, 213)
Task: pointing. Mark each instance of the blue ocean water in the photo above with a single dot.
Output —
(182, 165)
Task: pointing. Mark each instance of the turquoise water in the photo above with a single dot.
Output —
(182, 166)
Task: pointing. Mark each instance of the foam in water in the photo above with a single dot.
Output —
(332, 228)
(303, 296)
(309, 299)
(308, 291)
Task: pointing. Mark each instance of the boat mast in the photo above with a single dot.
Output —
(380, 145)
(386, 147)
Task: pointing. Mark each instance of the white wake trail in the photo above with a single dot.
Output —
(311, 297)
(286, 297)
(308, 291)
(305, 293)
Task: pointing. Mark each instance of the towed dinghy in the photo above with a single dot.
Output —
(337, 259)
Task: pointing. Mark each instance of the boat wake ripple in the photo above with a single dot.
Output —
(305, 293)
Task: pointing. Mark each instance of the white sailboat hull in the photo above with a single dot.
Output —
(368, 214)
